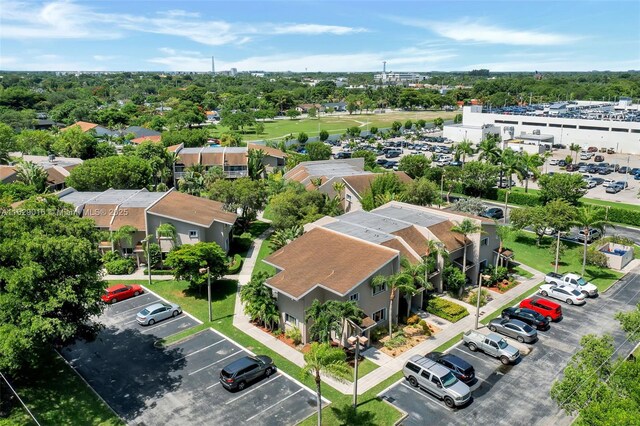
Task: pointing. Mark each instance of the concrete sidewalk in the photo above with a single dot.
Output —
(138, 274)
(387, 365)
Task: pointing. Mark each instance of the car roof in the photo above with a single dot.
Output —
(155, 306)
(429, 364)
(116, 287)
(517, 322)
(456, 360)
(545, 302)
(238, 364)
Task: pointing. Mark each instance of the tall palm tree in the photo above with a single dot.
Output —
(167, 230)
(488, 150)
(464, 148)
(316, 182)
(510, 164)
(586, 218)
(323, 359)
(394, 283)
(338, 188)
(259, 303)
(466, 228)
(282, 237)
(529, 164)
(325, 319)
(415, 273)
(574, 147)
(560, 214)
(254, 164)
(32, 174)
(504, 232)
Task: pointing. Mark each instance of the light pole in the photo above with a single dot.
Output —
(506, 203)
(485, 277)
(441, 189)
(202, 271)
(356, 340)
(147, 240)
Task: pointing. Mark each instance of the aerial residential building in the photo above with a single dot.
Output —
(57, 168)
(338, 258)
(195, 219)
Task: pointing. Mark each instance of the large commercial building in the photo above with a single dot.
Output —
(603, 125)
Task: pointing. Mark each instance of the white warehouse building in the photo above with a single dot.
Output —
(623, 136)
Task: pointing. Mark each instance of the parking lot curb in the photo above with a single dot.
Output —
(89, 386)
(160, 344)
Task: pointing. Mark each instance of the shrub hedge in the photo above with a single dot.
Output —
(235, 266)
(120, 267)
(446, 309)
(159, 272)
(626, 216)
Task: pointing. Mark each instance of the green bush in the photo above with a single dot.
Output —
(120, 267)
(159, 272)
(596, 258)
(111, 256)
(626, 216)
(277, 332)
(519, 198)
(473, 299)
(396, 341)
(425, 327)
(378, 333)
(446, 309)
(294, 334)
(235, 265)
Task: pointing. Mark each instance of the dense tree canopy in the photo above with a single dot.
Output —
(189, 259)
(118, 172)
(49, 280)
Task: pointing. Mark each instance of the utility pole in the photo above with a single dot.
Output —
(486, 277)
(202, 271)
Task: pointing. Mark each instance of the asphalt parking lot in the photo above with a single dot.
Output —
(178, 384)
(519, 394)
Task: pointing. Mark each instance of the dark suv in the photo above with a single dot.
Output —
(245, 370)
(528, 316)
(458, 366)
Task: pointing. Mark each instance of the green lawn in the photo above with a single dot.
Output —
(265, 250)
(268, 213)
(449, 343)
(241, 245)
(540, 258)
(57, 396)
(337, 124)
(365, 367)
(636, 353)
(522, 272)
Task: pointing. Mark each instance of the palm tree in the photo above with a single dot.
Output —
(282, 237)
(510, 164)
(323, 359)
(32, 174)
(415, 274)
(325, 320)
(488, 150)
(466, 228)
(254, 164)
(338, 188)
(125, 233)
(561, 214)
(397, 282)
(167, 230)
(316, 182)
(586, 218)
(464, 148)
(504, 232)
(387, 197)
(529, 164)
(4, 157)
(192, 181)
(259, 303)
(574, 147)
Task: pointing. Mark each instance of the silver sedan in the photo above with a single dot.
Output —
(157, 312)
(515, 329)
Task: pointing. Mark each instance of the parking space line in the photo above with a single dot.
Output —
(161, 325)
(200, 350)
(470, 354)
(270, 407)
(215, 384)
(425, 395)
(256, 388)
(132, 309)
(213, 363)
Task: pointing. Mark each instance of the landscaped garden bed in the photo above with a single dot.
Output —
(446, 309)
(416, 332)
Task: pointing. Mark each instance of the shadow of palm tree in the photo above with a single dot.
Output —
(348, 415)
(126, 369)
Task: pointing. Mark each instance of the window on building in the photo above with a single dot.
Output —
(379, 289)
(193, 234)
(354, 297)
(348, 198)
(484, 241)
(290, 319)
(379, 315)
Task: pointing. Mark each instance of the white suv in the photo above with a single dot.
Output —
(437, 380)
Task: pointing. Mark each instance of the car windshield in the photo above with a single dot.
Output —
(527, 328)
(502, 344)
(576, 293)
(581, 281)
(449, 380)
(145, 311)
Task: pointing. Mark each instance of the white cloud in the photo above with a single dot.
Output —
(404, 59)
(467, 30)
(315, 29)
(556, 65)
(64, 19)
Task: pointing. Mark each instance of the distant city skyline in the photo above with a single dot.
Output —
(312, 36)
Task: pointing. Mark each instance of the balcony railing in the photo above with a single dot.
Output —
(230, 174)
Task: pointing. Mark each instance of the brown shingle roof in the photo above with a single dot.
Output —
(174, 148)
(189, 159)
(451, 240)
(192, 209)
(236, 158)
(134, 216)
(156, 138)
(361, 183)
(100, 213)
(414, 238)
(396, 244)
(6, 171)
(84, 126)
(212, 159)
(54, 176)
(269, 151)
(322, 257)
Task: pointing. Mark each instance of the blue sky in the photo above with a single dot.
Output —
(320, 35)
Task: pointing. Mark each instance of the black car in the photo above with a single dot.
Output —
(381, 161)
(624, 170)
(572, 167)
(604, 171)
(390, 164)
(592, 169)
(245, 370)
(493, 213)
(597, 180)
(458, 366)
(528, 316)
(562, 163)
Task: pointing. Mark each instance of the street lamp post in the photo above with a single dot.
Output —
(441, 189)
(202, 271)
(356, 340)
(506, 203)
(485, 277)
(147, 240)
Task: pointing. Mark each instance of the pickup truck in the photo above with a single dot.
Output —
(573, 280)
(491, 344)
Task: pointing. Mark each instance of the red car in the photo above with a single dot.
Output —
(120, 292)
(544, 307)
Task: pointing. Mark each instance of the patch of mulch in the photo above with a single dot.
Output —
(503, 288)
(414, 337)
(281, 337)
